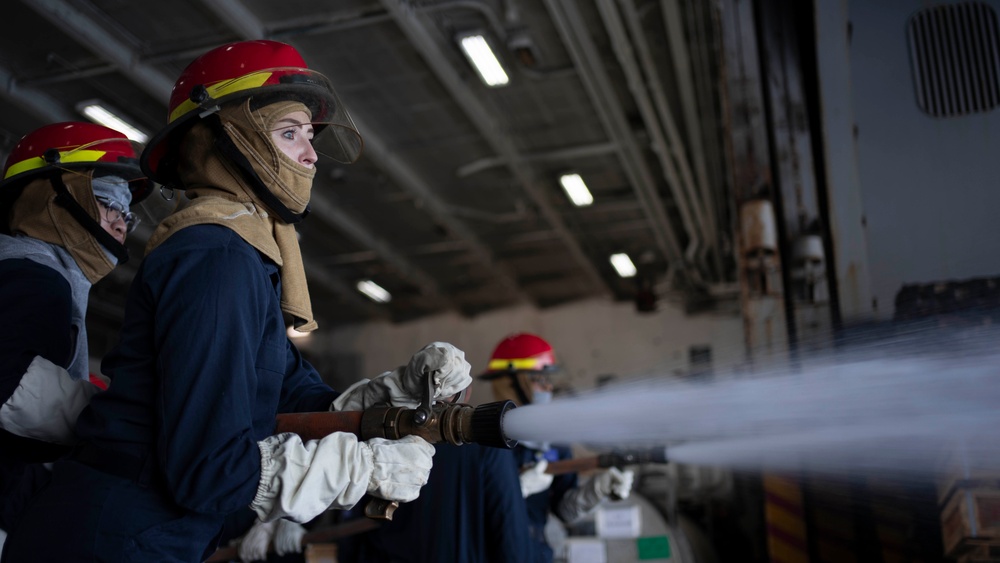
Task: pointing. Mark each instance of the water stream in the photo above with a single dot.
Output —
(913, 406)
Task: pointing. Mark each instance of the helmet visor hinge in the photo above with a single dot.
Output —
(207, 104)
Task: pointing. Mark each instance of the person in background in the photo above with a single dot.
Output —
(519, 371)
(283, 538)
(470, 511)
(183, 436)
(64, 216)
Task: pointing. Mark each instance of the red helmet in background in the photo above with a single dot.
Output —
(519, 363)
(269, 69)
(74, 145)
(521, 352)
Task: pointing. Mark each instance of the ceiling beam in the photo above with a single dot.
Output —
(237, 17)
(647, 89)
(346, 292)
(404, 176)
(43, 106)
(681, 58)
(90, 35)
(346, 222)
(415, 28)
(565, 153)
(572, 29)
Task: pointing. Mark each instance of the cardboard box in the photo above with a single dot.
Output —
(958, 474)
(586, 550)
(971, 518)
(618, 521)
(987, 553)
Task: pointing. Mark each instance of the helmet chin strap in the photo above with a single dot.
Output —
(230, 151)
(517, 387)
(66, 201)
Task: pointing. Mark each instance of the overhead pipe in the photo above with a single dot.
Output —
(406, 18)
(701, 22)
(237, 17)
(681, 60)
(572, 29)
(681, 150)
(581, 151)
(403, 175)
(485, 10)
(428, 287)
(77, 24)
(40, 104)
(347, 292)
(680, 186)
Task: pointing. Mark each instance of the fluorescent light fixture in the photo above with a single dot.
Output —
(576, 189)
(478, 51)
(292, 333)
(374, 291)
(98, 113)
(623, 265)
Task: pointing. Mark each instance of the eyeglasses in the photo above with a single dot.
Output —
(114, 211)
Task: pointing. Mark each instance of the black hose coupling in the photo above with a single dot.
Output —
(486, 425)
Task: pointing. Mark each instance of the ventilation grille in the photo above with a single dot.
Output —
(954, 49)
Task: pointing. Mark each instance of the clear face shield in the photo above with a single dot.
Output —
(333, 134)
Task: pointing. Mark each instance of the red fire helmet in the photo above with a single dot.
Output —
(74, 145)
(520, 352)
(239, 70)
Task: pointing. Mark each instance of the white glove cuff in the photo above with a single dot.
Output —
(300, 480)
(268, 469)
(369, 455)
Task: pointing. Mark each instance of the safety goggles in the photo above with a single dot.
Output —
(114, 211)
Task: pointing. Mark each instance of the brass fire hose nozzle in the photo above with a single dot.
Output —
(455, 424)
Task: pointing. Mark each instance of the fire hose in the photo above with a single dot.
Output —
(451, 423)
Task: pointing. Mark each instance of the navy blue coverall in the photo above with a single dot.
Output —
(36, 306)
(470, 511)
(540, 504)
(202, 367)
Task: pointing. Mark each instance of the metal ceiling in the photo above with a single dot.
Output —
(455, 204)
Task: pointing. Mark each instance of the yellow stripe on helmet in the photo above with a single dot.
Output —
(252, 80)
(515, 363)
(36, 162)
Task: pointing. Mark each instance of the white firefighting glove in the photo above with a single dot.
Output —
(46, 403)
(578, 502)
(300, 480)
(253, 544)
(288, 537)
(615, 484)
(403, 387)
(535, 480)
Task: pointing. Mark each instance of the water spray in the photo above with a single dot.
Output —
(898, 408)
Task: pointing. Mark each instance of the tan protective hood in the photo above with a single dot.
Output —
(220, 196)
(503, 388)
(37, 215)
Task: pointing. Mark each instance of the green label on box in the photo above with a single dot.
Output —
(655, 547)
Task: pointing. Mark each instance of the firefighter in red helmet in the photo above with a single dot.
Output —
(64, 215)
(520, 370)
(182, 438)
